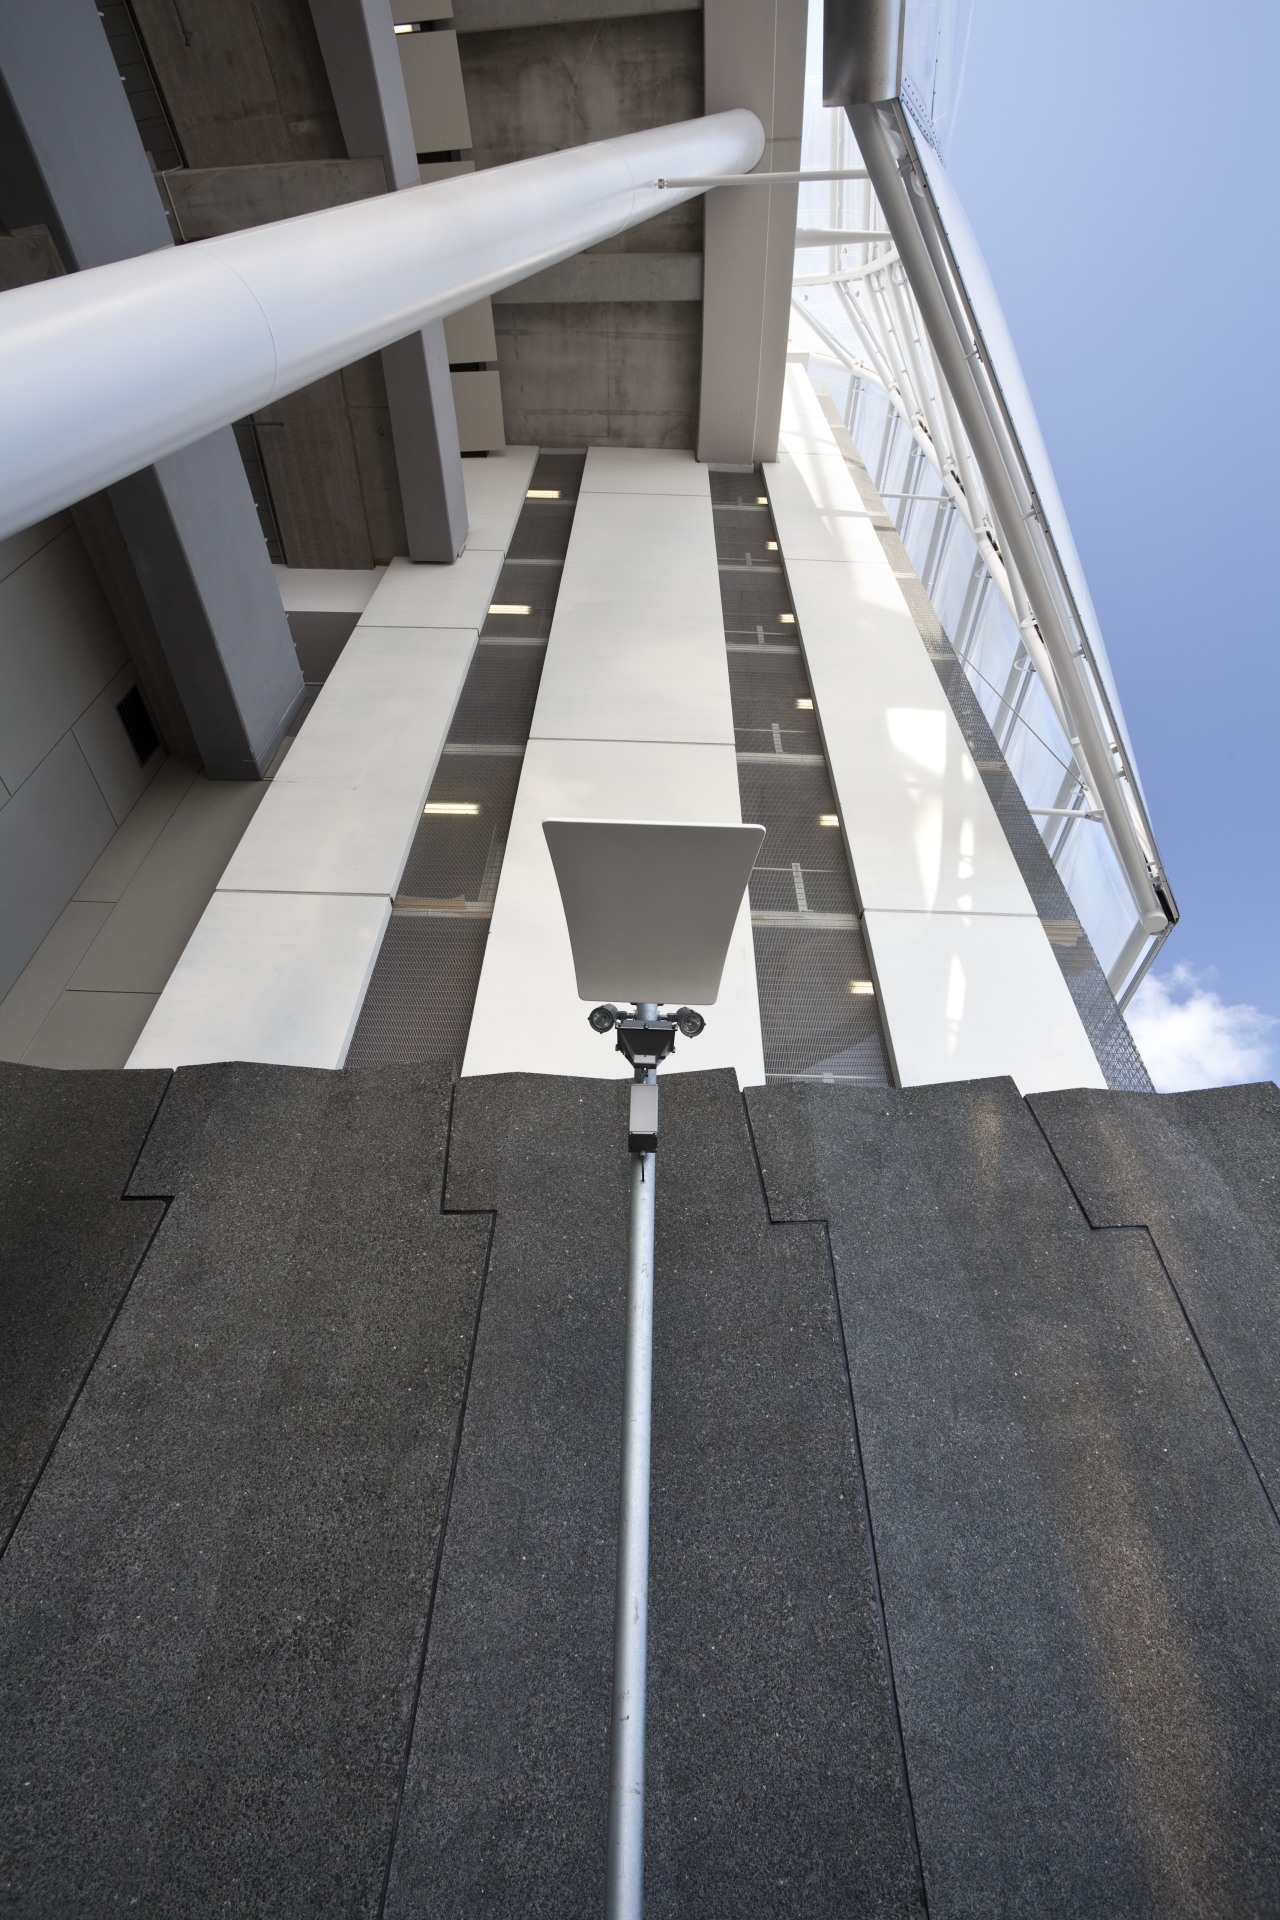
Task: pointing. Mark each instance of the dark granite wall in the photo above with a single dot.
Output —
(965, 1565)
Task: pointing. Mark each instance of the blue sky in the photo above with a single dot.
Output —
(1118, 164)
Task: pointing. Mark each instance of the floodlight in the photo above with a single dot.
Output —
(651, 907)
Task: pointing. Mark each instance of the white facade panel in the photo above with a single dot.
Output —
(495, 490)
(970, 996)
(409, 595)
(267, 976)
(637, 647)
(326, 589)
(644, 470)
(528, 961)
(342, 810)
(969, 985)
(919, 824)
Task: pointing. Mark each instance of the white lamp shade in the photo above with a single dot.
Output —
(651, 904)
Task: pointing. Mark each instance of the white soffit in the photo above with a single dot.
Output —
(267, 976)
(970, 996)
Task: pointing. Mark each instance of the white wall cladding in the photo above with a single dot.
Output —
(68, 775)
(278, 967)
(633, 721)
(967, 979)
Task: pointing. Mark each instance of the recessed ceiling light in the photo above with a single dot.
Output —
(500, 606)
(804, 706)
(828, 819)
(451, 806)
(762, 499)
(771, 546)
(403, 27)
(786, 619)
(542, 493)
(861, 986)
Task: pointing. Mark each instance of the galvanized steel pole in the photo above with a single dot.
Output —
(624, 1885)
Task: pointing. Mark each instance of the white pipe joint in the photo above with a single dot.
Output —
(106, 371)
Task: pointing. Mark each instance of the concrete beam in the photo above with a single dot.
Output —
(71, 159)
(358, 43)
(754, 53)
(483, 16)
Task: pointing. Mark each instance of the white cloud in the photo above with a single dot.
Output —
(1189, 1037)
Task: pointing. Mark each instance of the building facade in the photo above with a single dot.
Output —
(445, 444)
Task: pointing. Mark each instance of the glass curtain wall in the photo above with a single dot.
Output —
(854, 316)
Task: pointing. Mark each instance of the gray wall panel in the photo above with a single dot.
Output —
(59, 647)
(51, 832)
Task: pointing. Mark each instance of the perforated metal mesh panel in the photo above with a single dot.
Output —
(796, 807)
(745, 536)
(457, 856)
(769, 690)
(527, 591)
(419, 1002)
(819, 1017)
(497, 701)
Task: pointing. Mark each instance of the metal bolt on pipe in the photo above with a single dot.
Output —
(105, 371)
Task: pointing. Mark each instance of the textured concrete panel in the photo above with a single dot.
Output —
(541, 88)
(773, 1781)
(69, 1244)
(1081, 1575)
(600, 373)
(1202, 1172)
(214, 1608)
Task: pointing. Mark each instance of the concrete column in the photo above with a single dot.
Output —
(967, 979)
(358, 44)
(71, 159)
(754, 53)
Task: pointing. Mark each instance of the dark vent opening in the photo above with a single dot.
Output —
(136, 722)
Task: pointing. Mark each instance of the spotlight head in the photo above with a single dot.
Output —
(603, 1019)
(689, 1022)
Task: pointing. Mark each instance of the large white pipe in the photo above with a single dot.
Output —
(105, 371)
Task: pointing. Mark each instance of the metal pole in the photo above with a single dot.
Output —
(624, 1885)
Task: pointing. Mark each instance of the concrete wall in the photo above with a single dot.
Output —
(964, 1572)
(68, 774)
(595, 352)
